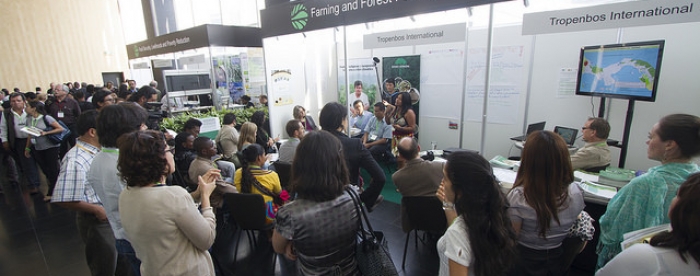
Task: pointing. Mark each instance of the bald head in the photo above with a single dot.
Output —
(408, 148)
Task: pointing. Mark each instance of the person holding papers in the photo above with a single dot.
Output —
(674, 252)
(595, 153)
(645, 201)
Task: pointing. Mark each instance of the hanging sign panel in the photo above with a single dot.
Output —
(618, 15)
(309, 15)
(421, 36)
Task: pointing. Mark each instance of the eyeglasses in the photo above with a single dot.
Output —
(171, 150)
(584, 128)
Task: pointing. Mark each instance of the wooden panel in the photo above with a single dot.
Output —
(47, 41)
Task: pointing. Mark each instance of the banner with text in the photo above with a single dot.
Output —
(619, 15)
(308, 15)
(421, 36)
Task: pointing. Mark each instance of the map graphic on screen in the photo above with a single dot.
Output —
(627, 71)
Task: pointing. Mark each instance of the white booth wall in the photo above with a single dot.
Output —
(315, 56)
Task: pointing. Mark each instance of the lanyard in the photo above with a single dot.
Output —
(35, 121)
(110, 150)
(85, 149)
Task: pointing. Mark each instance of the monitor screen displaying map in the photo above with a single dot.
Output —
(628, 71)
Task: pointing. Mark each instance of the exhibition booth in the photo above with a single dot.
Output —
(201, 67)
(484, 70)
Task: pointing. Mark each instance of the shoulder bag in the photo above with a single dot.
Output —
(58, 137)
(372, 249)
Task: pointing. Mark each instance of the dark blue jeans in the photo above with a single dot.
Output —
(127, 263)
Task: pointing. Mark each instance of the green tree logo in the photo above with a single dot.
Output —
(136, 51)
(299, 17)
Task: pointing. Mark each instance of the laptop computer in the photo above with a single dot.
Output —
(569, 134)
(530, 129)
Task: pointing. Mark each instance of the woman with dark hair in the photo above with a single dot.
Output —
(44, 151)
(403, 120)
(318, 229)
(543, 204)
(480, 239)
(252, 178)
(262, 137)
(676, 252)
(102, 98)
(184, 155)
(168, 233)
(299, 113)
(645, 201)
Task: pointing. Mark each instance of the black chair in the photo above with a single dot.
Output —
(248, 212)
(284, 171)
(597, 169)
(424, 213)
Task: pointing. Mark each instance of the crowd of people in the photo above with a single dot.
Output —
(122, 180)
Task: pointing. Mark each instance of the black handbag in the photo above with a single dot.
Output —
(372, 249)
(58, 137)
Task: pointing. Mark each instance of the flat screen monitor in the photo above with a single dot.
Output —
(626, 71)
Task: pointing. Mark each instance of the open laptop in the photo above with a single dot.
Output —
(530, 129)
(569, 134)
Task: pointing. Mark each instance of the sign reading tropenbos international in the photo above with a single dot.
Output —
(618, 15)
(422, 36)
(308, 15)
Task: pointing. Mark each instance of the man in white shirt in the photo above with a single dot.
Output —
(358, 95)
(296, 131)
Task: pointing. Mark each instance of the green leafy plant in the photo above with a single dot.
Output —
(177, 122)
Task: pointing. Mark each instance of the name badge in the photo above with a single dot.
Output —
(373, 137)
(60, 114)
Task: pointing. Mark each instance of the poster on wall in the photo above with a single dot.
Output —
(280, 92)
(441, 80)
(228, 76)
(504, 92)
(362, 72)
(406, 71)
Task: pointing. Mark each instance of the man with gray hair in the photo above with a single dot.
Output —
(154, 85)
(595, 153)
(66, 110)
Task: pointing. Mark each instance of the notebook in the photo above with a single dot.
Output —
(530, 129)
(569, 134)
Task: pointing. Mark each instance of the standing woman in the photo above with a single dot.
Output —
(307, 121)
(253, 178)
(318, 229)
(403, 120)
(645, 201)
(543, 204)
(169, 234)
(480, 239)
(44, 151)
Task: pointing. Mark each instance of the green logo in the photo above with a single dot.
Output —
(136, 51)
(299, 17)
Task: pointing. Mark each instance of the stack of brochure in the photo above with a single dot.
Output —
(643, 235)
(597, 190)
(33, 131)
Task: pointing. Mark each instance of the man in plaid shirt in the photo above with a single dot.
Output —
(73, 192)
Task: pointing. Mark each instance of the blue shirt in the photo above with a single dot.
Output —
(378, 128)
(72, 183)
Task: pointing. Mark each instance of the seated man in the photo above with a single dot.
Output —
(359, 118)
(377, 134)
(206, 149)
(184, 155)
(418, 177)
(228, 139)
(296, 131)
(595, 152)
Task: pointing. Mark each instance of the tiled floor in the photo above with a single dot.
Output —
(38, 238)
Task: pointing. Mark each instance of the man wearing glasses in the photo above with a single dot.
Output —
(595, 153)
